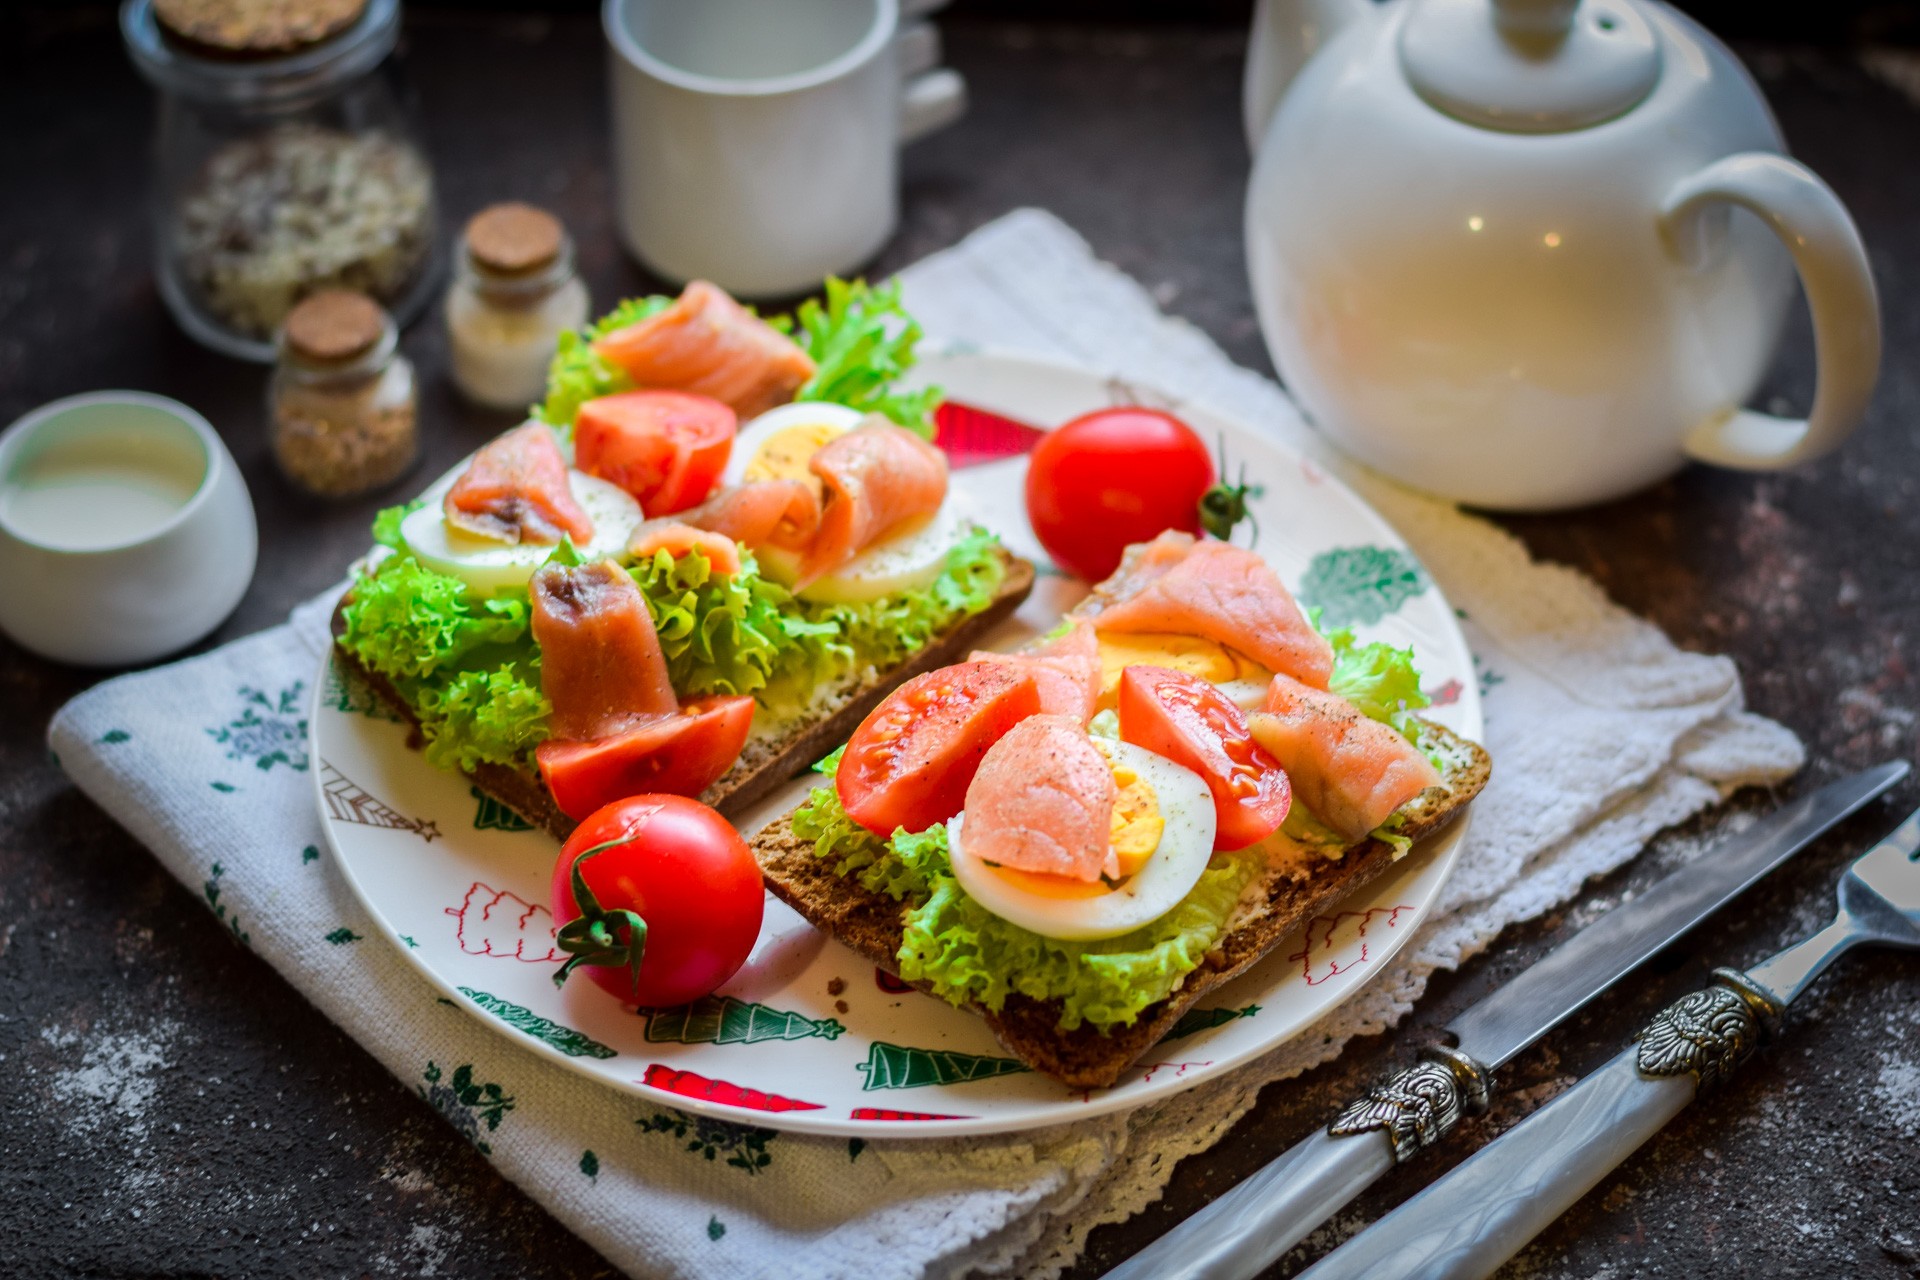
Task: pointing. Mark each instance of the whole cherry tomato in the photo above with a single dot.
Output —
(1119, 476)
(659, 897)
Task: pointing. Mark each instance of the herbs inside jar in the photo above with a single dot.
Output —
(300, 208)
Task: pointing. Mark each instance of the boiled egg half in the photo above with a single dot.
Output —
(1162, 833)
(778, 445)
(490, 566)
(1240, 678)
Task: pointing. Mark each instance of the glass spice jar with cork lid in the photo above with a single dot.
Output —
(287, 162)
(514, 292)
(342, 399)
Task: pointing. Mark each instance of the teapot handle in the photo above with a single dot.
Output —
(1816, 229)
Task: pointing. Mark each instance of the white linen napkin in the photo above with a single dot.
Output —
(1601, 730)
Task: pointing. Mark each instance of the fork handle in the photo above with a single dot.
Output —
(1476, 1217)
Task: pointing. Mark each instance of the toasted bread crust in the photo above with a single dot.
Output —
(764, 765)
(871, 924)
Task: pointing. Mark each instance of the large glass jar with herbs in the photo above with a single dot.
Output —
(287, 163)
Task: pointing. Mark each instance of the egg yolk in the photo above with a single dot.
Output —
(1212, 662)
(1136, 825)
(784, 455)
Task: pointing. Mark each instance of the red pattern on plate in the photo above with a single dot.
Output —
(1328, 936)
(973, 436)
(882, 1113)
(494, 922)
(691, 1084)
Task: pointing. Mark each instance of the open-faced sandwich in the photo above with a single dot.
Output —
(713, 549)
(1081, 840)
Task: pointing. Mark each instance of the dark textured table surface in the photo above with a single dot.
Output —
(172, 1108)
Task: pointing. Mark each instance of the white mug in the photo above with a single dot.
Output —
(126, 532)
(756, 142)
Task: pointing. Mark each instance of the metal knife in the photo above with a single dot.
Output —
(1468, 1223)
(1243, 1231)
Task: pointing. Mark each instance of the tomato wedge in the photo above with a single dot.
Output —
(1191, 723)
(666, 448)
(910, 761)
(682, 754)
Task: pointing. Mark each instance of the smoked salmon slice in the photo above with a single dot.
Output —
(1350, 771)
(711, 345)
(1065, 670)
(516, 490)
(600, 660)
(1043, 800)
(876, 478)
(778, 513)
(1218, 592)
(678, 539)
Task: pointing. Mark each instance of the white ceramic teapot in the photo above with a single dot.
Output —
(1529, 253)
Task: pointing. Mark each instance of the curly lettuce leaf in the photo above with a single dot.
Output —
(1377, 678)
(471, 671)
(406, 620)
(723, 633)
(578, 375)
(386, 524)
(882, 632)
(467, 666)
(861, 342)
(496, 717)
(965, 952)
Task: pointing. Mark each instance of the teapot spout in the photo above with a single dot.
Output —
(1286, 34)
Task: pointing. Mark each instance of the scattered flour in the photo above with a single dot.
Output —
(1898, 1091)
(116, 1080)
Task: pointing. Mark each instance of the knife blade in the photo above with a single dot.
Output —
(1240, 1233)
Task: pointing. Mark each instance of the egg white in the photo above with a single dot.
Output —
(490, 567)
(904, 561)
(752, 435)
(1169, 874)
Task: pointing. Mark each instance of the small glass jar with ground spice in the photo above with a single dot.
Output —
(342, 400)
(287, 163)
(514, 292)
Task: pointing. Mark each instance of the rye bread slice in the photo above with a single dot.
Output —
(765, 762)
(871, 924)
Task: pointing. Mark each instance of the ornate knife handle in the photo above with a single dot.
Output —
(1474, 1219)
(1240, 1233)
(1418, 1107)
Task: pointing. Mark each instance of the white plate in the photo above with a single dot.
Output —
(807, 1037)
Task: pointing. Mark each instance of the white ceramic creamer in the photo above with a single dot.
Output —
(1531, 254)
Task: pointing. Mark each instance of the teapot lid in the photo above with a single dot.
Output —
(1530, 66)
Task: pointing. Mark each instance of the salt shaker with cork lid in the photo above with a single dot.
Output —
(342, 399)
(514, 292)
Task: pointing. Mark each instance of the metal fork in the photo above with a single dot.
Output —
(1471, 1221)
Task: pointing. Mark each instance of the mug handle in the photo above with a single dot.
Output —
(1816, 229)
(932, 100)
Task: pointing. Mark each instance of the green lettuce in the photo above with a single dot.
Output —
(883, 632)
(861, 341)
(724, 633)
(965, 952)
(469, 667)
(1378, 679)
(578, 375)
(466, 665)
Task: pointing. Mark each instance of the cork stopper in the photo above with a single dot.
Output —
(334, 325)
(256, 28)
(513, 239)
